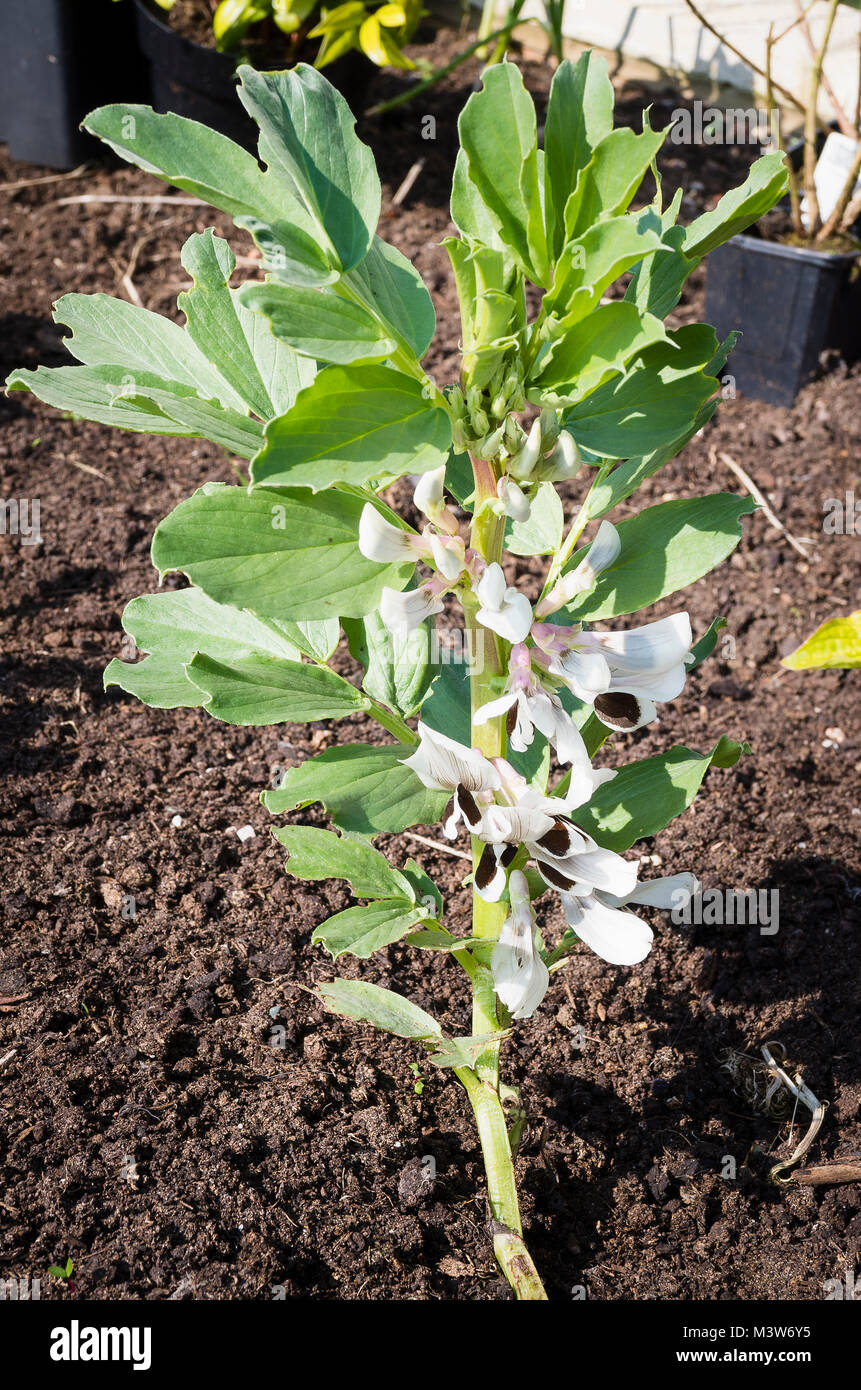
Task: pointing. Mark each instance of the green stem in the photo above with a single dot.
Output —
(488, 531)
(562, 555)
(410, 93)
(403, 358)
(508, 1245)
(392, 723)
(482, 1084)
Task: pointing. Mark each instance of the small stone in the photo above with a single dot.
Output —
(112, 894)
(314, 1048)
(246, 832)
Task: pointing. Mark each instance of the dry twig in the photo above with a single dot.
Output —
(759, 497)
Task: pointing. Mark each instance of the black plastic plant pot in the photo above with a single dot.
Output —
(60, 59)
(790, 305)
(198, 82)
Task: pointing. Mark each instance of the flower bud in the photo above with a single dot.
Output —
(523, 463)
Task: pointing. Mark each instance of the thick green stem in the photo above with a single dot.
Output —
(486, 538)
(482, 1085)
(508, 1245)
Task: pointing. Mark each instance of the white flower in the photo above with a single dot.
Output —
(602, 553)
(504, 610)
(529, 707)
(564, 854)
(520, 977)
(514, 500)
(675, 890)
(619, 937)
(429, 497)
(387, 544)
(623, 675)
(449, 555)
(403, 611)
(523, 463)
(563, 463)
(441, 764)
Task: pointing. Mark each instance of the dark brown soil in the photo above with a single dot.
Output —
(147, 1040)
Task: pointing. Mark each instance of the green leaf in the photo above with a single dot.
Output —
(664, 548)
(397, 672)
(656, 284)
(181, 622)
(264, 373)
(645, 796)
(113, 333)
(436, 938)
(423, 888)
(383, 1008)
(317, 639)
(595, 260)
(350, 425)
(308, 138)
(541, 534)
(592, 352)
(316, 854)
(469, 212)
(653, 404)
(498, 133)
(157, 681)
(174, 626)
(459, 478)
(143, 403)
(703, 649)
(579, 115)
(208, 165)
(359, 931)
(399, 293)
(835, 644)
(609, 181)
(464, 1052)
(764, 186)
(319, 324)
(447, 707)
(261, 690)
(366, 790)
(286, 555)
(627, 477)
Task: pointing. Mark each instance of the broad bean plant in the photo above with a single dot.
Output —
(494, 700)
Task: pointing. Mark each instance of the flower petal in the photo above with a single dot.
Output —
(381, 541)
(618, 937)
(404, 611)
(621, 710)
(675, 890)
(441, 764)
